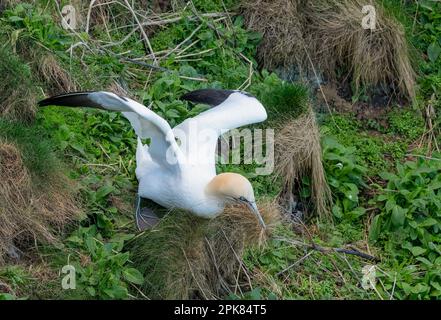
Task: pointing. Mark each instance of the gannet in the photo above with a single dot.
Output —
(177, 169)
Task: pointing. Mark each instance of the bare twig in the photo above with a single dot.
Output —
(146, 38)
(316, 247)
(295, 263)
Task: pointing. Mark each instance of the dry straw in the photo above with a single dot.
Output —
(331, 32)
(280, 23)
(27, 215)
(186, 257)
(52, 74)
(298, 154)
(372, 57)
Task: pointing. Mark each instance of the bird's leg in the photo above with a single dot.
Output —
(145, 217)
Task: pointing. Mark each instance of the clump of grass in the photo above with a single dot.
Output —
(371, 57)
(298, 155)
(28, 215)
(52, 74)
(283, 100)
(280, 23)
(298, 152)
(18, 93)
(36, 199)
(186, 257)
(327, 36)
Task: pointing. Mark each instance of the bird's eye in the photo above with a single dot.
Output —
(242, 198)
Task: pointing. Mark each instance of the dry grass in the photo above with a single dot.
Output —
(4, 4)
(51, 73)
(18, 90)
(280, 23)
(27, 215)
(186, 257)
(371, 57)
(330, 32)
(298, 154)
(18, 93)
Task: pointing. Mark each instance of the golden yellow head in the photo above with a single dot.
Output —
(233, 187)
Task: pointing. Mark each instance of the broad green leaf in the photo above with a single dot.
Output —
(134, 276)
(433, 51)
(104, 191)
(428, 222)
(417, 251)
(375, 228)
(117, 292)
(398, 216)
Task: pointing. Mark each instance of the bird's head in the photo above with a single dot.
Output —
(234, 188)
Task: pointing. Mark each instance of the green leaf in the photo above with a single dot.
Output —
(337, 212)
(375, 229)
(75, 239)
(428, 222)
(134, 276)
(6, 296)
(433, 51)
(420, 288)
(117, 292)
(398, 216)
(104, 191)
(387, 176)
(91, 291)
(417, 251)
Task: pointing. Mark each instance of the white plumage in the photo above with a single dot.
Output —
(177, 169)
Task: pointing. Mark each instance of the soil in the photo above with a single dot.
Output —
(339, 100)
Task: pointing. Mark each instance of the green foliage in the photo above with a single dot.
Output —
(409, 226)
(372, 152)
(108, 272)
(213, 5)
(15, 277)
(430, 19)
(37, 24)
(407, 123)
(281, 99)
(17, 89)
(100, 149)
(298, 273)
(37, 149)
(345, 177)
(257, 293)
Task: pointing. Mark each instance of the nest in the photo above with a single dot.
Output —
(326, 36)
(27, 215)
(186, 257)
(298, 154)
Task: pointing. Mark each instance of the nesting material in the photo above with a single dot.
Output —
(298, 154)
(27, 215)
(186, 257)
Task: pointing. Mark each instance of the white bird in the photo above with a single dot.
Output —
(177, 169)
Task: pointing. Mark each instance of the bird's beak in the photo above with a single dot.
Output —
(253, 208)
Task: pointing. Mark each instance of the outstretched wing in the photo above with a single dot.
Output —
(231, 109)
(163, 148)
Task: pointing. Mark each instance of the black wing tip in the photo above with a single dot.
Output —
(68, 98)
(57, 98)
(211, 96)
